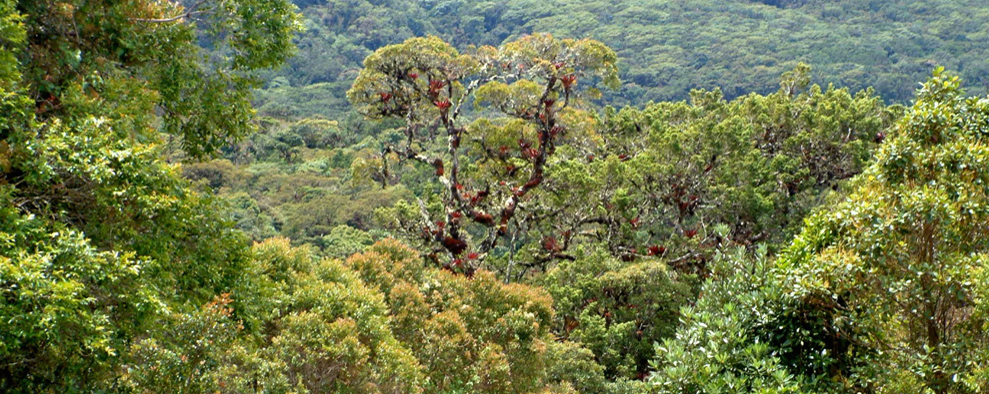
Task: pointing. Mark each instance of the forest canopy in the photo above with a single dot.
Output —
(478, 197)
(667, 48)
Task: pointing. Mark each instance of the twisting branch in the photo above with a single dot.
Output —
(420, 82)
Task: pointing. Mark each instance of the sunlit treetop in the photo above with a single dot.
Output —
(907, 246)
(196, 63)
(526, 96)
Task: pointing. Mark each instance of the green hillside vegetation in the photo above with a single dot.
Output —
(667, 48)
(486, 210)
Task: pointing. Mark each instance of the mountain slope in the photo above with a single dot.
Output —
(666, 47)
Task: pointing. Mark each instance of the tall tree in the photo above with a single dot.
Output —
(882, 292)
(897, 273)
(527, 96)
(99, 235)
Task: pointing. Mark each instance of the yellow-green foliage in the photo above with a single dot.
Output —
(295, 325)
(100, 238)
(469, 334)
(898, 268)
(379, 322)
(430, 58)
(530, 97)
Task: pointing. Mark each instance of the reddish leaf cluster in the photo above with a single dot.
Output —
(550, 244)
(477, 198)
(568, 81)
(656, 250)
(484, 218)
(454, 245)
(444, 105)
(530, 153)
(435, 87)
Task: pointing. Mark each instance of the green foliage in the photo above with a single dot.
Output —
(313, 327)
(615, 309)
(337, 337)
(14, 106)
(379, 322)
(204, 93)
(101, 238)
(672, 180)
(490, 166)
(642, 242)
(470, 335)
(68, 307)
(575, 365)
(900, 265)
(755, 165)
(667, 49)
(188, 355)
(343, 241)
(720, 346)
(881, 292)
(295, 179)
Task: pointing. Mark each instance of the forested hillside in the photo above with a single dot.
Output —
(666, 47)
(547, 197)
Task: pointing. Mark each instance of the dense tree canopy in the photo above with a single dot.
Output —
(900, 266)
(652, 182)
(883, 292)
(667, 48)
(493, 216)
(101, 236)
